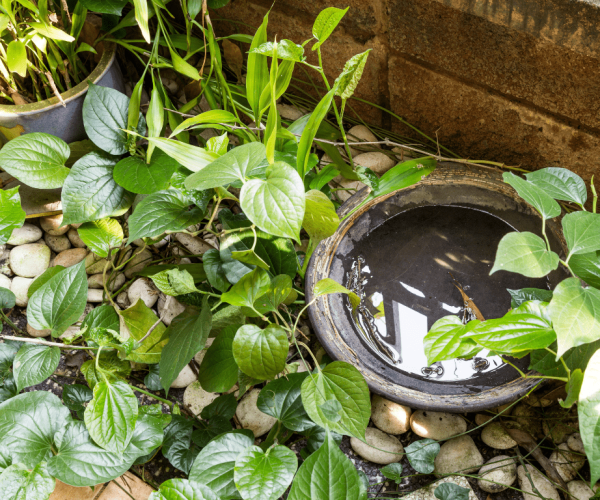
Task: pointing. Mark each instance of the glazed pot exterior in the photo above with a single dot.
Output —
(50, 116)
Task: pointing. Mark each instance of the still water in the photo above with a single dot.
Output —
(406, 272)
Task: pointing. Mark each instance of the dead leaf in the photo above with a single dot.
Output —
(233, 56)
(468, 302)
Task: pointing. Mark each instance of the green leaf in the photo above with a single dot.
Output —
(264, 475)
(214, 465)
(331, 410)
(544, 204)
(113, 7)
(101, 235)
(177, 444)
(7, 298)
(573, 389)
(582, 232)
(326, 22)
(251, 258)
(51, 32)
(451, 491)
(8, 351)
(276, 204)
(34, 363)
(526, 254)
(18, 483)
(76, 396)
(211, 116)
(182, 66)
(187, 335)
(344, 383)
(90, 192)
(259, 353)
(309, 132)
(207, 431)
(174, 282)
(236, 165)
(182, 489)
(421, 455)
(279, 291)
(327, 475)
(588, 410)
(111, 365)
(105, 118)
(575, 313)
(515, 334)
(191, 157)
(137, 176)
(219, 371)
(28, 423)
(36, 159)
(285, 71)
(560, 183)
(152, 380)
(367, 176)
(213, 265)
(12, 216)
(257, 75)
(43, 278)
(103, 317)
(518, 297)
(16, 57)
(320, 219)
(575, 358)
(587, 267)
(393, 472)
(139, 318)
(79, 149)
(162, 211)
(110, 417)
(445, 341)
(224, 407)
(245, 292)
(59, 302)
(346, 83)
(286, 50)
(327, 286)
(196, 270)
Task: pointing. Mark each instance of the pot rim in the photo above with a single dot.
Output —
(332, 341)
(106, 61)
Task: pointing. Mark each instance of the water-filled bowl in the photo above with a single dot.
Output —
(404, 254)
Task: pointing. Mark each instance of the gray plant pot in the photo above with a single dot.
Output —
(50, 116)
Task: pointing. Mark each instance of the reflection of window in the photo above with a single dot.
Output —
(410, 327)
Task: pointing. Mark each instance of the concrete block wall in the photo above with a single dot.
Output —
(515, 81)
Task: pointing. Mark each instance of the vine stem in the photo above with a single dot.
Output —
(10, 323)
(524, 375)
(158, 398)
(50, 344)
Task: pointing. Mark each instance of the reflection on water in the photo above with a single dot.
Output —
(403, 273)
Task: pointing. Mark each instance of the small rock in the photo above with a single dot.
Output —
(566, 462)
(194, 244)
(195, 398)
(161, 243)
(30, 260)
(70, 257)
(528, 419)
(4, 264)
(459, 454)
(481, 419)
(342, 182)
(139, 262)
(250, 417)
(28, 233)
(379, 163)
(185, 378)
(376, 441)
(200, 356)
(144, 289)
(94, 264)
(174, 308)
(505, 410)
(497, 474)
(139, 242)
(94, 295)
(580, 490)
(20, 287)
(289, 112)
(53, 225)
(437, 425)
(123, 300)
(360, 133)
(495, 436)
(37, 333)
(390, 417)
(74, 238)
(559, 425)
(575, 443)
(88, 309)
(95, 281)
(72, 331)
(57, 243)
(5, 281)
(541, 483)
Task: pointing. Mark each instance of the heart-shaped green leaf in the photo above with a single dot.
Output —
(174, 282)
(224, 406)
(90, 192)
(451, 491)
(542, 202)
(18, 483)
(393, 472)
(182, 489)
(101, 235)
(76, 396)
(587, 267)
(177, 445)
(421, 455)
(526, 254)
(518, 297)
(344, 383)
(37, 159)
(320, 219)
(12, 216)
(276, 204)
(219, 371)
(139, 318)
(59, 302)
(213, 265)
(34, 363)
(137, 176)
(162, 211)
(7, 298)
(560, 183)
(582, 232)
(245, 292)
(282, 400)
(259, 474)
(328, 286)
(588, 410)
(261, 353)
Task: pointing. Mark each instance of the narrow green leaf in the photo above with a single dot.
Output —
(191, 157)
(141, 16)
(34, 363)
(16, 57)
(348, 80)
(544, 204)
(101, 235)
(12, 216)
(573, 389)
(312, 126)
(51, 32)
(403, 175)
(326, 22)
(257, 76)
(524, 253)
(211, 116)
